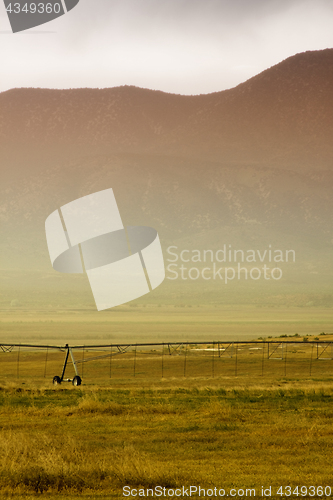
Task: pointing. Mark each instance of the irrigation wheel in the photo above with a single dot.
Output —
(56, 380)
(77, 380)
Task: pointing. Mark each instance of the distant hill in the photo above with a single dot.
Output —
(249, 166)
(286, 107)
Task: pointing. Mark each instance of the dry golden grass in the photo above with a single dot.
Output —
(247, 423)
(82, 443)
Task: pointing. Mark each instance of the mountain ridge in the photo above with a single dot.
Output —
(253, 163)
(276, 106)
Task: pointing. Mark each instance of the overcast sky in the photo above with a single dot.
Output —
(179, 46)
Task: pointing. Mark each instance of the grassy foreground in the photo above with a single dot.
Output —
(89, 443)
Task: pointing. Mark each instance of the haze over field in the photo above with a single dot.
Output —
(247, 167)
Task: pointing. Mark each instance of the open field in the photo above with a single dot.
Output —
(165, 323)
(203, 417)
(143, 365)
(90, 442)
(225, 421)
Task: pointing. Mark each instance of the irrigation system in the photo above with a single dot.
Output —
(275, 349)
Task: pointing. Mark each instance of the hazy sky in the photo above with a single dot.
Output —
(179, 46)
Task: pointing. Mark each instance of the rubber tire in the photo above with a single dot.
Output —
(56, 380)
(77, 380)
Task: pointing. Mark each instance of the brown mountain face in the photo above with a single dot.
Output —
(285, 111)
(250, 166)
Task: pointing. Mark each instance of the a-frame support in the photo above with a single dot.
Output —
(77, 379)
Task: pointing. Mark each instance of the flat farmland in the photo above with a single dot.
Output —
(91, 442)
(153, 323)
(139, 365)
(210, 415)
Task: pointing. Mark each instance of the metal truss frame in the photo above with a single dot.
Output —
(230, 350)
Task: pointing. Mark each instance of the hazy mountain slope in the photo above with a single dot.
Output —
(286, 107)
(251, 165)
